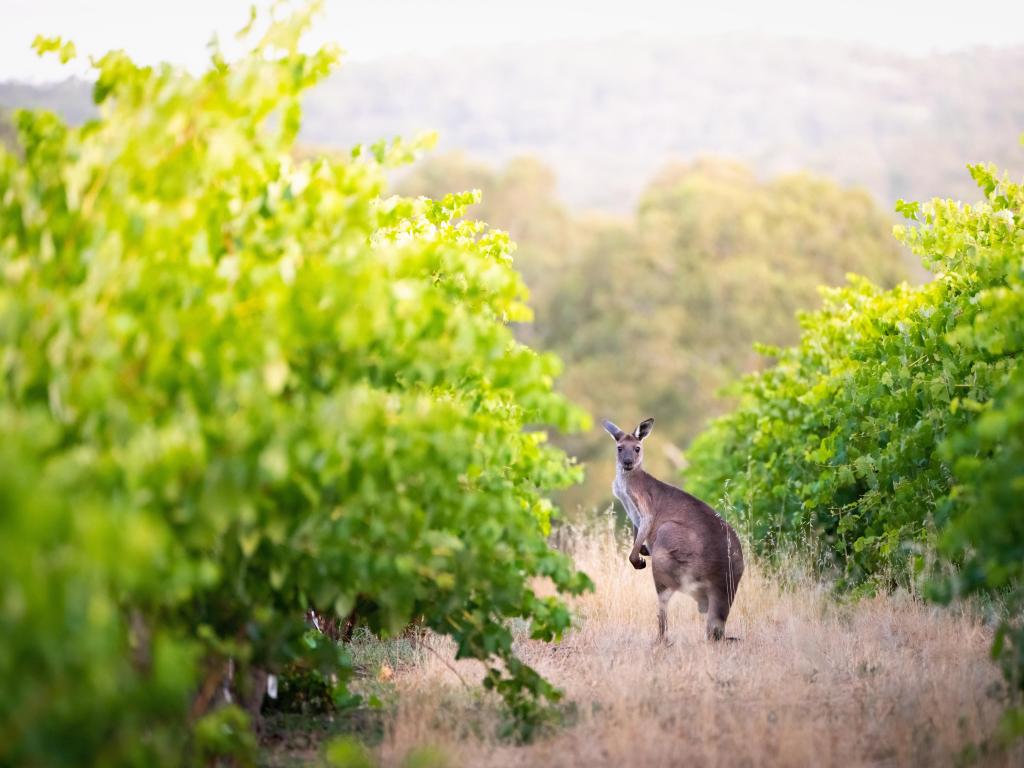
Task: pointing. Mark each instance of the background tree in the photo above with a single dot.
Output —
(654, 314)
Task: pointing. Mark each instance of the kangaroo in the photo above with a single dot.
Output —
(692, 549)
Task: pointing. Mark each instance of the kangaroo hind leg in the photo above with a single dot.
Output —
(664, 595)
(718, 612)
(666, 586)
(702, 603)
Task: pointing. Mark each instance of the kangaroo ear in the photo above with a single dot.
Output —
(644, 429)
(613, 430)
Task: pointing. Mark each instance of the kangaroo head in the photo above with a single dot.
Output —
(629, 445)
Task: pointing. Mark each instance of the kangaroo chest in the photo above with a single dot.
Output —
(622, 492)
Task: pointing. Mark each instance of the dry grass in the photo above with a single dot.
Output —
(886, 681)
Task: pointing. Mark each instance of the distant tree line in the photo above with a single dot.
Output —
(654, 313)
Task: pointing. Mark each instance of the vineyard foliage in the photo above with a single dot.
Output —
(894, 430)
(237, 385)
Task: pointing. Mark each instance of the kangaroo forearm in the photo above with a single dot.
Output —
(639, 544)
(638, 540)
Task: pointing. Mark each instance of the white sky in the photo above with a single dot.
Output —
(178, 30)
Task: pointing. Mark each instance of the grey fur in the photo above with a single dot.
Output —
(691, 547)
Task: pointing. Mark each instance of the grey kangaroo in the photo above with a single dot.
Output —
(692, 549)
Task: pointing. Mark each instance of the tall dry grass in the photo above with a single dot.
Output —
(883, 681)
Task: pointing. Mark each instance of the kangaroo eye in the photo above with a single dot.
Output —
(638, 449)
(620, 449)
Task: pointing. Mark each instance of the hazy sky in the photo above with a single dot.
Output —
(178, 30)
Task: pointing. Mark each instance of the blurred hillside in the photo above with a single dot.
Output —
(606, 116)
(654, 313)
